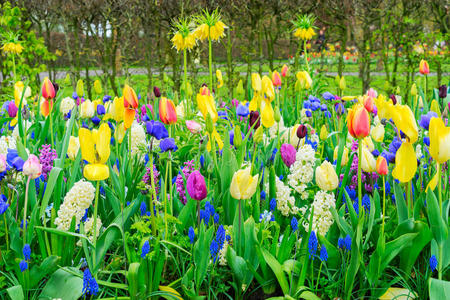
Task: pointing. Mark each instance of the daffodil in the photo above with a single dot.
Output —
(95, 149)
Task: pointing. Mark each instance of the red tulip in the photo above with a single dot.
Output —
(276, 79)
(382, 167)
(368, 104)
(424, 69)
(48, 90)
(167, 111)
(358, 121)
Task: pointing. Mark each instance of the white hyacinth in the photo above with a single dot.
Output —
(7, 142)
(302, 171)
(322, 218)
(66, 105)
(285, 202)
(137, 138)
(76, 201)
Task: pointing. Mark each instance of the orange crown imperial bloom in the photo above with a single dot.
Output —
(48, 90)
(382, 167)
(130, 102)
(358, 122)
(424, 69)
(167, 111)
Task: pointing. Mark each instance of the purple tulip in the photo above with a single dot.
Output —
(196, 186)
(254, 118)
(156, 91)
(288, 154)
(12, 109)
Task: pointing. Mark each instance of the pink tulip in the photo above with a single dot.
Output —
(372, 93)
(2, 163)
(32, 167)
(288, 154)
(196, 186)
(284, 71)
(193, 126)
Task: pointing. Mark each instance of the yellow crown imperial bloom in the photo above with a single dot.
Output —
(439, 140)
(95, 149)
(13, 48)
(209, 26)
(405, 163)
(243, 185)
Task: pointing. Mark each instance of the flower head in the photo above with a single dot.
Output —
(32, 167)
(243, 185)
(95, 149)
(23, 265)
(312, 244)
(191, 235)
(145, 248)
(156, 129)
(323, 253)
(433, 263)
(304, 27)
(90, 285)
(288, 154)
(210, 26)
(326, 177)
(196, 186)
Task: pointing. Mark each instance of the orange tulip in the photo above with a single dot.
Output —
(276, 78)
(424, 69)
(48, 90)
(382, 167)
(358, 122)
(46, 107)
(167, 111)
(284, 71)
(205, 91)
(130, 102)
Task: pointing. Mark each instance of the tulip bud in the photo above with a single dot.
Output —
(32, 167)
(358, 122)
(443, 91)
(326, 177)
(258, 136)
(276, 79)
(80, 88)
(193, 126)
(378, 133)
(302, 131)
(284, 70)
(323, 132)
(237, 139)
(209, 124)
(196, 186)
(12, 109)
(2, 163)
(256, 82)
(337, 79)
(344, 158)
(67, 80)
(414, 90)
(368, 163)
(435, 107)
(189, 90)
(167, 111)
(424, 69)
(48, 90)
(98, 87)
(382, 167)
(393, 98)
(342, 83)
(288, 154)
(277, 115)
(156, 92)
(368, 104)
(240, 92)
(254, 118)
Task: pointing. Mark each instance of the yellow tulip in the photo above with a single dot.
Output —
(267, 114)
(368, 162)
(98, 87)
(377, 133)
(304, 79)
(119, 133)
(256, 82)
(87, 109)
(219, 78)
(435, 107)
(368, 143)
(74, 146)
(342, 83)
(405, 163)
(433, 182)
(95, 149)
(243, 185)
(267, 87)
(326, 177)
(80, 88)
(18, 90)
(207, 106)
(344, 158)
(404, 119)
(118, 109)
(217, 139)
(439, 140)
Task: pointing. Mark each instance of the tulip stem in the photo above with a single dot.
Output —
(198, 215)
(239, 234)
(25, 212)
(359, 177)
(51, 126)
(165, 197)
(6, 231)
(384, 205)
(94, 237)
(440, 208)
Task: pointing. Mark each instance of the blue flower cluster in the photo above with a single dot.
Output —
(3, 204)
(208, 212)
(345, 243)
(90, 285)
(145, 249)
(312, 245)
(191, 235)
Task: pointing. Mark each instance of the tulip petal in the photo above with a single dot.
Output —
(128, 117)
(86, 145)
(267, 114)
(433, 182)
(103, 143)
(96, 172)
(234, 188)
(405, 163)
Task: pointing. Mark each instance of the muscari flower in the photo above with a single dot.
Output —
(272, 204)
(312, 245)
(90, 285)
(145, 249)
(23, 265)
(3, 204)
(294, 224)
(191, 235)
(26, 251)
(433, 263)
(323, 254)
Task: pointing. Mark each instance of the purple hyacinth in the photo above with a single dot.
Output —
(47, 156)
(187, 170)
(147, 176)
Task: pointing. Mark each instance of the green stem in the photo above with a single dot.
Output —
(306, 55)
(210, 62)
(320, 269)
(6, 231)
(441, 246)
(185, 82)
(14, 68)
(51, 124)
(94, 237)
(410, 202)
(384, 205)
(240, 221)
(359, 177)
(198, 215)
(165, 198)
(25, 212)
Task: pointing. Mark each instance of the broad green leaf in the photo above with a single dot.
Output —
(437, 224)
(439, 289)
(277, 270)
(63, 285)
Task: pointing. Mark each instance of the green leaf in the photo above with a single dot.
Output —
(52, 179)
(437, 224)
(65, 143)
(277, 270)
(15, 292)
(133, 280)
(439, 289)
(237, 265)
(402, 209)
(47, 266)
(63, 285)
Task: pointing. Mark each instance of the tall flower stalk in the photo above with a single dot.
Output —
(304, 30)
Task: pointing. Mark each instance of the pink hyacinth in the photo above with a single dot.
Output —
(288, 154)
(146, 179)
(187, 170)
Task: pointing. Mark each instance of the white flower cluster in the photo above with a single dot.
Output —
(66, 105)
(223, 251)
(285, 202)
(27, 124)
(265, 217)
(137, 138)
(419, 153)
(322, 219)
(76, 201)
(7, 142)
(302, 171)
